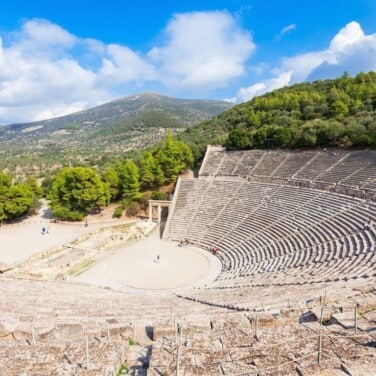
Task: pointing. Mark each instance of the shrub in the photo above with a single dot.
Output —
(118, 212)
(123, 370)
(131, 342)
(157, 195)
(68, 215)
(133, 209)
(144, 200)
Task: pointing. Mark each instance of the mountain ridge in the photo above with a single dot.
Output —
(132, 122)
(131, 97)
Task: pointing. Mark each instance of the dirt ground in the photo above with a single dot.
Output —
(137, 265)
(134, 265)
(21, 240)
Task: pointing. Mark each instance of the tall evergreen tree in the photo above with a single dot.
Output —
(129, 181)
(151, 174)
(174, 157)
(111, 178)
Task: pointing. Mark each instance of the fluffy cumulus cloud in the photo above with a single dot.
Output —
(260, 88)
(350, 50)
(46, 71)
(202, 49)
(41, 75)
(123, 65)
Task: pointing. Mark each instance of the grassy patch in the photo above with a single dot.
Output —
(366, 310)
(77, 269)
(131, 342)
(123, 370)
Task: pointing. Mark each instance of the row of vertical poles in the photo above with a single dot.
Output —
(179, 331)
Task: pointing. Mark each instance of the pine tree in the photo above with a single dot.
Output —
(151, 174)
(75, 191)
(129, 181)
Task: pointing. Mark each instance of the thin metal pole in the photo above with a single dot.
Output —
(321, 315)
(178, 351)
(33, 334)
(319, 349)
(87, 351)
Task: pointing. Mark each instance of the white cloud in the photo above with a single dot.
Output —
(230, 100)
(123, 65)
(260, 88)
(41, 37)
(287, 29)
(349, 50)
(39, 77)
(44, 72)
(202, 49)
(349, 35)
(47, 71)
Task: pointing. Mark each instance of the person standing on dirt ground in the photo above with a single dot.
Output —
(158, 259)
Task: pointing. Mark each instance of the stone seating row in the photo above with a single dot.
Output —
(243, 344)
(23, 358)
(355, 169)
(264, 227)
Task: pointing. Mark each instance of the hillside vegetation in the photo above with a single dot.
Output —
(339, 112)
(17, 199)
(76, 191)
(93, 136)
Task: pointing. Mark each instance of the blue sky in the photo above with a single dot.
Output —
(57, 57)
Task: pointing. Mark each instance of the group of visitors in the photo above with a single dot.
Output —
(214, 250)
(184, 242)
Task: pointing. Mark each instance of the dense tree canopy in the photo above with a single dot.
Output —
(17, 199)
(174, 157)
(76, 191)
(340, 113)
(111, 178)
(151, 172)
(129, 180)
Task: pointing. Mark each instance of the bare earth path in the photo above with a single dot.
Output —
(136, 265)
(21, 240)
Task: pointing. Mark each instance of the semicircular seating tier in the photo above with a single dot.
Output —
(343, 171)
(276, 230)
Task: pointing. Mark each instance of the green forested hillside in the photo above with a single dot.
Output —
(95, 135)
(76, 191)
(340, 112)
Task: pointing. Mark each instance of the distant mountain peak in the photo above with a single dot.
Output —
(134, 121)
